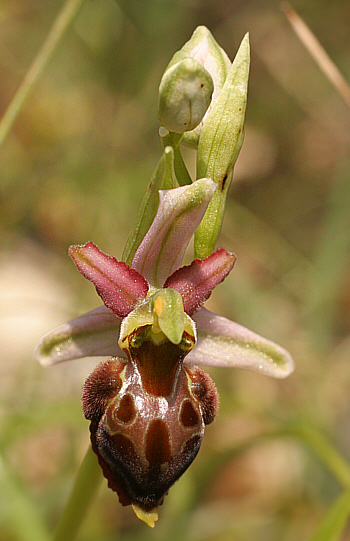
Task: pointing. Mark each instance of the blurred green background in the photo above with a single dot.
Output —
(74, 168)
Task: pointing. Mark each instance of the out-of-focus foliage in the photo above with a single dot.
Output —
(74, 169)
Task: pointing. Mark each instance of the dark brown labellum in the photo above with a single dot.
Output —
(147, 425)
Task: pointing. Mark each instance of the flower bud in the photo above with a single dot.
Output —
(184, 94)
(203, 48)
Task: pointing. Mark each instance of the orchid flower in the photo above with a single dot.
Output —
(149, 403)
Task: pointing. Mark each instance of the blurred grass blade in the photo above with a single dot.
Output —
(318, 53)
(313, 438)
(330, 261)
(326, 452)
(22, 516)
(58, 29)
(84, 491)
(334, 522)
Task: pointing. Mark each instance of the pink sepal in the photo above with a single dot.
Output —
(92, 334)
(222, 342)
(119, 286)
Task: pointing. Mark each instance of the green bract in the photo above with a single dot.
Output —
(163, 178)
(219, 144)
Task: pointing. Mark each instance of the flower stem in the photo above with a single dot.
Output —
(59, 27)
(86, 485)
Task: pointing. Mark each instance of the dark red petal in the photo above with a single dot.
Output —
(119, 286)
(196, 281)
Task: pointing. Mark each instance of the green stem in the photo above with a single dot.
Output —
(85, 488)
(173, 140)
(59, 27)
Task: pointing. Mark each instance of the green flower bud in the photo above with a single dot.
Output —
(203, 48)
(184, 94)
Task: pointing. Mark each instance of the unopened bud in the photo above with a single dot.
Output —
(184, 94)
(203, 48)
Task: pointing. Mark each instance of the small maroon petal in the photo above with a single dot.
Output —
(196, 281)
(119, 286)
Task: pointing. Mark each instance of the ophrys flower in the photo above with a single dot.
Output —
(149, 404)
